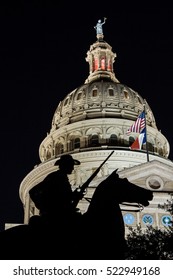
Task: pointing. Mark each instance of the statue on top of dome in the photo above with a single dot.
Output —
(98, 27)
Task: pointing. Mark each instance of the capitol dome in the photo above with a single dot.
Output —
(101, 98)
(111, 107)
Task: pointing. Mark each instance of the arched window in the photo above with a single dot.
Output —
(109, 65)
(96, 64)
(139, 100)
(79, 95)
(94, 140)
(76, 143)
(103, 63)
(48, 155)
(160, 151)
(150, 147)
(113, 141)
(59, 149)
(66, 101)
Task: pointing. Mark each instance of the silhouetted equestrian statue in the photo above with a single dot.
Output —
(61, 232)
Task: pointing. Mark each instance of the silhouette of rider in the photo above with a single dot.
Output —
(54, 196)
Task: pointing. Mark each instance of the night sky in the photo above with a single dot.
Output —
(42, 58)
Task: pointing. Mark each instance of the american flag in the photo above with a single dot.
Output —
(139, 124)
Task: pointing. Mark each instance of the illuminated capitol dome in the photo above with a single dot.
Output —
(91, 122)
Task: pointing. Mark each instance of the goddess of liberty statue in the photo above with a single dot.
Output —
(98, 27)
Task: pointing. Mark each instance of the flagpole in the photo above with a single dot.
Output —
(146, 135)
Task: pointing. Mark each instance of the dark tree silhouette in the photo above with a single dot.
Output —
(152, 243)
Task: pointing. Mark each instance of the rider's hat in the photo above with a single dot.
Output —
(66, 159)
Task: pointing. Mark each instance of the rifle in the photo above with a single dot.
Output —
(80, 191)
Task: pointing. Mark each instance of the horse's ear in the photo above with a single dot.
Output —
(115, 173)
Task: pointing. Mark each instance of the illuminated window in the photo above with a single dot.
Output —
(129, 219)
(109, 67)
(103, 63)
(96, 64)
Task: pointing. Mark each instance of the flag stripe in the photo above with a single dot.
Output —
(139, 124)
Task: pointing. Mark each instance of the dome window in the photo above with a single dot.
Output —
(113, 140)
(126, 94)
(150, 147)
(76, 143)
(94, 140)
(94, 92)
(59, 149)
(131, 140)
(140, 101)
(103, 63)
(96, 64)
(66, 102)
(79, 96)
(111, 92)
(109, 65)
(48, 154)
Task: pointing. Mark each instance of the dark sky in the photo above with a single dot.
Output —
(42, 58)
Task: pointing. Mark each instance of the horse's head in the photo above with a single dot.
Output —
(114, 191)
(125, 191)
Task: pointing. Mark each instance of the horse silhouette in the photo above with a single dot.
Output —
(97, 234)
(105, 219)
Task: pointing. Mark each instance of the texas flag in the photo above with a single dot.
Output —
(140, 140)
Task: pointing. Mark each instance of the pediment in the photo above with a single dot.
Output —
(154, 175)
